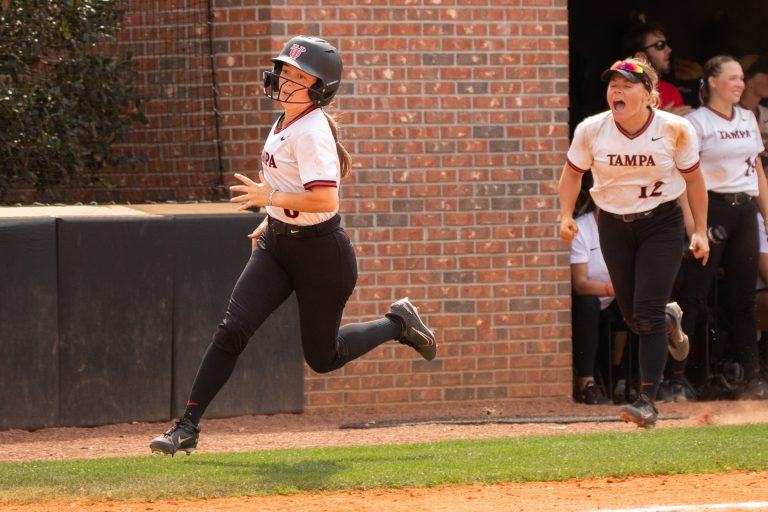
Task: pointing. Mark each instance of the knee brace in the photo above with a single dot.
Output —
(644, 326)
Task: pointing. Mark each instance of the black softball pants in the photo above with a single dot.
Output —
(643, 258)
(322, 269)
(738, 256)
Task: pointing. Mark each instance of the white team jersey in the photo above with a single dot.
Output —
(298, 157)
(729, 149)
(585, 248)
(635, 172)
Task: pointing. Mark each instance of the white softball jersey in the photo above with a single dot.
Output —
(729, 148)
(635, 172)
(585, 248)
(298, 157)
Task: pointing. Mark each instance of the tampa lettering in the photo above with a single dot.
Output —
(268, 160)
(631, 160)
(735, 134)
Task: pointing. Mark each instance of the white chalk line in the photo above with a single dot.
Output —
(749, 505)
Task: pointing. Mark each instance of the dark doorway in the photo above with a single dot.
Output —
(695, 30)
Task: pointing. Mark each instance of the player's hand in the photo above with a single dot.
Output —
(700, 247)
(568, 228)
(257, 233)
(253, 194)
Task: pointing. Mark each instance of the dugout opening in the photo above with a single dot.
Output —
(695, 31)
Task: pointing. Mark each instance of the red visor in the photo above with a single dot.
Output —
(629, 70)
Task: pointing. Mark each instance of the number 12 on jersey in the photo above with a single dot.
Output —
(655, 190)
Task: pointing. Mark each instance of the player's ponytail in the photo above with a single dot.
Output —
(345, 160)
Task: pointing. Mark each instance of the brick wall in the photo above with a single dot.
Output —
(456, 115)
(169, 41)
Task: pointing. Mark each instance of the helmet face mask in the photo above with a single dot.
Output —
(313, 56)
(273, 88)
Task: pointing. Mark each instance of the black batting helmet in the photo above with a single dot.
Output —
(311, 55)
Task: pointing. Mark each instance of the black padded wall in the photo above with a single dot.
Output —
(29, 364)
(115, 324)
(210, 254)
(105, 320)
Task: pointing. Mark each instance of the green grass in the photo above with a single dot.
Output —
(519, 459)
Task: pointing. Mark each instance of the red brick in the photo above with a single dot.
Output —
(410, 122)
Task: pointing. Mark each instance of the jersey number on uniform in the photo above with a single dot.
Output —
(751, 166)
(655, 192)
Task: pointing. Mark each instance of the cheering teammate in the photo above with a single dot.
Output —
(642, 159)
(730, 143)
(300, 246)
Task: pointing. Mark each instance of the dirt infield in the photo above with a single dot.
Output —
(316, 430)
(578, 495)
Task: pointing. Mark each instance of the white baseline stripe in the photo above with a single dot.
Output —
(753, 505)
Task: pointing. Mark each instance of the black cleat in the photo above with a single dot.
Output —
(676, 338)
(675, 392)
(642, 413)
(591, 395)
(415, 334)
(756, 389)
(182, 436)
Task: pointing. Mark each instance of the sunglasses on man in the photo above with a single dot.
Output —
(659, 45)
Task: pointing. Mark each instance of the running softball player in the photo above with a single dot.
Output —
(300, 247)
(730, 144)
(642, 159)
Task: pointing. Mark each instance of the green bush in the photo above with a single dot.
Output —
(64, 106)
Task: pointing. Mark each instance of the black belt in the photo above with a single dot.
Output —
(631, 217)
(279, 227)
(735, 199)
